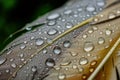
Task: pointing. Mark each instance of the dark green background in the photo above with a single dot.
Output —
(14, 14)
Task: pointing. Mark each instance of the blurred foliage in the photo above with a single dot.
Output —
(14, 14)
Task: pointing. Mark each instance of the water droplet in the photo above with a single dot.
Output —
(57, 50)
(91, 69)
(22, 46)
(39, 41)
(2, 60)
(28, 28)
(90, 8)
(44, 51)
(83, 61)
(66, 44)
(34, 69)
(13, 65)
(80, 69)
(95, 28)
(7, 71)
(100, 3)
(85, 36)
(101, 40)
(88, 46)
(73, 53)
(93, 63)
(68, 25)
(52, 32)
(21, 55)
(90, 31)
(108, 32)
(61, 76)
(68, 12)
(65, 62)
(74, 66)
(111, 15)
(50, 62)
(51, 23)
(84, 76)
(53, 16)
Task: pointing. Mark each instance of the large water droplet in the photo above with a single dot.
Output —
(39, 41)
(88, 46)
(53, 16)
(68, 25)
(83, 61)
(52, 32)
(61, 76)
(57, 50)
(66, 44)
(90, 8)
(101, 40)
(2, 60)
(50, 62)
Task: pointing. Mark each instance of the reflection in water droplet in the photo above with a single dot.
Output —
(84, 76)
(52, 32)
(90, 8)
(66, 44)
(50, 62)
(101, 40)
(61, 76)
(2, 60)
(85, 36)
(13, 65)
(88, 46)
(44, 51)
(7, 71)
(83, 61)
(53, 16)
(108, 32)
(90, 31)
(57, 50)
(39, 41)
(68, 25)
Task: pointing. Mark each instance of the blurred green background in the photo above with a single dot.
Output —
(14, 14)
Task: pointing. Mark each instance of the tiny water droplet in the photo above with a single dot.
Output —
(91, 69)
(88, 46)
(53, 16)
(73, 53)
(66, 44)
(85, 36)
(7, 71)
(2, 60)
(52, 31)
(101, 40)
(50, 62)
(93, 63)
(39, 41)
(21, 55)
(83, 61)
(57, 50)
